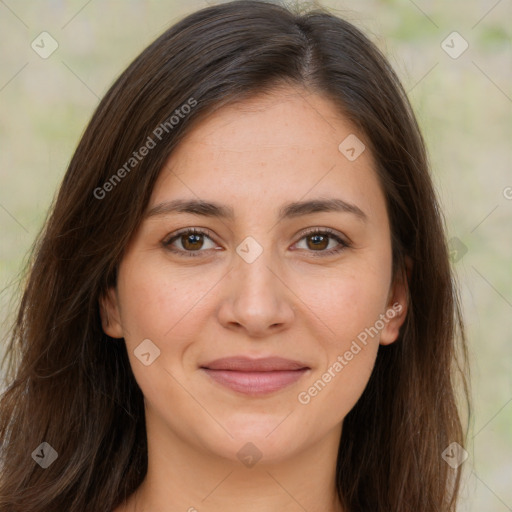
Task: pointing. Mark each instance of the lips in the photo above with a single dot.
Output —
(255, 377)
(245, 364)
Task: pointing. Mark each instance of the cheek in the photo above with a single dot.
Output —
(347, 305)
(158, 302)
(161, 306)
(346, 309)
(345, 301)
(332, 394)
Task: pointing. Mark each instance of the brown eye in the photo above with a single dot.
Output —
(192, 242)
(317, 241)
(323, 242)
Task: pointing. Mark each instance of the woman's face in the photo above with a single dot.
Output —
(256, 283)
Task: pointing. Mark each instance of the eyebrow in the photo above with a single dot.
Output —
(288, 211)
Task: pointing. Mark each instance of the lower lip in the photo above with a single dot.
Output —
(255, 383)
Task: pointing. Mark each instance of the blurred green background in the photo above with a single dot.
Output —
(463, 104)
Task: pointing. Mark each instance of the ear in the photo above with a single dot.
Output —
(109, 312)
(397, 305)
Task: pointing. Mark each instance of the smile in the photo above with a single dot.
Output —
(255, 377)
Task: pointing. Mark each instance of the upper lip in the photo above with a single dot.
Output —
(246, 364)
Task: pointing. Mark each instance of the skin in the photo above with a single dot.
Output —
(292, 301)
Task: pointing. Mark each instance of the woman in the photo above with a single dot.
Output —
(242, 298)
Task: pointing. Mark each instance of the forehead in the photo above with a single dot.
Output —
(278, 146)
(287, 118)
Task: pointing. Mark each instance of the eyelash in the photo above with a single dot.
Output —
(310, 232)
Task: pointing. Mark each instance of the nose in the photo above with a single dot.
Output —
(256, 299)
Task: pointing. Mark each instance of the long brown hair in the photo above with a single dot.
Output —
(70, 385)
